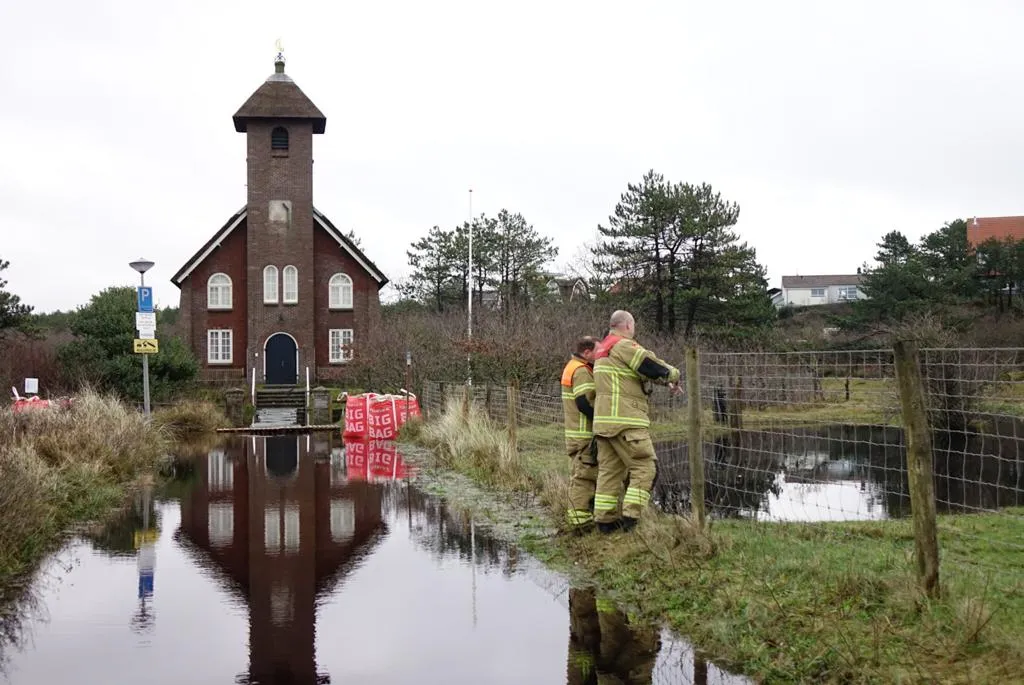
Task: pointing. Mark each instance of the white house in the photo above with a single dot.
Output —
(807, 291)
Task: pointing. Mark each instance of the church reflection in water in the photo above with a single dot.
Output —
(282, 519)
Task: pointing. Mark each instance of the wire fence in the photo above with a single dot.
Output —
(824, 436)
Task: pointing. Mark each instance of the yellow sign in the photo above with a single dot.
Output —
(141, 537)
(146, 346)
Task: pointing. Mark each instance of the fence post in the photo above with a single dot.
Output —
(513, 413)
(467, 399)
(919, 465)
(693, 429)
(487, 401)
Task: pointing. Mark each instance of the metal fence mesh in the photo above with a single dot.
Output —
(818, 436)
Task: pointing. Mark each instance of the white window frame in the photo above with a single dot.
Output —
(220, 523)
(220, 289)
(270, 284)
(219, 334)
(343, 282)
(820, 289)
(848, 292)
(290, 295)
(343, 356)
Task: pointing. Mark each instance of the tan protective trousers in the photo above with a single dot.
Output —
(582, 485)
(631, 453)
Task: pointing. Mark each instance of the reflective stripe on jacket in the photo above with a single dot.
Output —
(577, 380)
(621, 400)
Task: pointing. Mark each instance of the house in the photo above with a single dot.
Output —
(566, 288)
(806, 291)
(278, 291)
(981, 229)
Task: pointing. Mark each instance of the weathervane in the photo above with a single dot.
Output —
(280, 51)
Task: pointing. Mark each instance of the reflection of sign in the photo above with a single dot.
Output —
(146, 562)
(145, 298)
(146, 346)
(141, 537)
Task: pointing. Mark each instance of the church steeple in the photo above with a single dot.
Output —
(279, 98)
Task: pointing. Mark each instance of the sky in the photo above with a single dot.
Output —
(829, 124)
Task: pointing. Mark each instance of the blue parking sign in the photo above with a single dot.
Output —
(145, 298)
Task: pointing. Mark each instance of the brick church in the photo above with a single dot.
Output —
(278, 289)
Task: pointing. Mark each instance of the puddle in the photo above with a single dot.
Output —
(840, 473)
(288, 559)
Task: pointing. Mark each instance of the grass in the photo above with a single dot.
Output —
(827, 602)
(60, 466)
(189, 418)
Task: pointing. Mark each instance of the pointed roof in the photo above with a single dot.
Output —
(319, 219)
(279, 98)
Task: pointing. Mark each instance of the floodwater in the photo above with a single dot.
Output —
(842, 472)
(295, 559)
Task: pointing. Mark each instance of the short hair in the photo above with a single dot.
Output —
(585, 343)
(619, 318)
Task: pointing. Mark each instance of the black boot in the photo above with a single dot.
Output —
(583, 529)
(628, 523)
(609, 527)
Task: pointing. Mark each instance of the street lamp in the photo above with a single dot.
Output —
(142, 266)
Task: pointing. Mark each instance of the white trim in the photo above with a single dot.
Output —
(276, 285)
(231, 292)
(377, 276)
(317, 218)
(231, 346)
(213, 246)
(351, 292)
(330, 347)
(265, 353)
(284, 284)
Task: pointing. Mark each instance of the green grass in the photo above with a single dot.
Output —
(825, 602)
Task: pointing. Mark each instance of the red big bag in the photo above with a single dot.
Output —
(355, 416)
(378, 417)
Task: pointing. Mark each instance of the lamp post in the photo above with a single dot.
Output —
(142, 266)
(469, 303)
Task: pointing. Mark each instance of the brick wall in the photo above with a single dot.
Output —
(330, 259)
(280, 176)
(230, 258)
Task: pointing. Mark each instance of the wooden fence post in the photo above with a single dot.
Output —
(919, 465)
(467, 399)
(513, 413)
(487, 401)
(694, 431)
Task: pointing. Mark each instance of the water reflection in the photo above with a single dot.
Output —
(604, 646)
(282, 529)
(842, 473)
(300, 559)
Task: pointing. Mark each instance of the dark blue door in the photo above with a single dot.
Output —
(282, 366)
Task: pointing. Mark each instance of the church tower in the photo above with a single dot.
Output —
(279, 121)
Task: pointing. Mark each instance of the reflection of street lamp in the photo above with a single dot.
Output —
(142, 266)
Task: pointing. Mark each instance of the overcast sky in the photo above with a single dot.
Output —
(829, 123)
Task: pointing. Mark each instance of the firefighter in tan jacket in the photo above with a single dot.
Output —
(622, 423)
(578, 390)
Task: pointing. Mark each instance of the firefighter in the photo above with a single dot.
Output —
(605, 646)
(623, 371)
(578, 391)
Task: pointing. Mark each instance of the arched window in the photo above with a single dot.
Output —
(270, 284)
(291, 284)
(218, 292)
(279, 138)
(340, 292)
